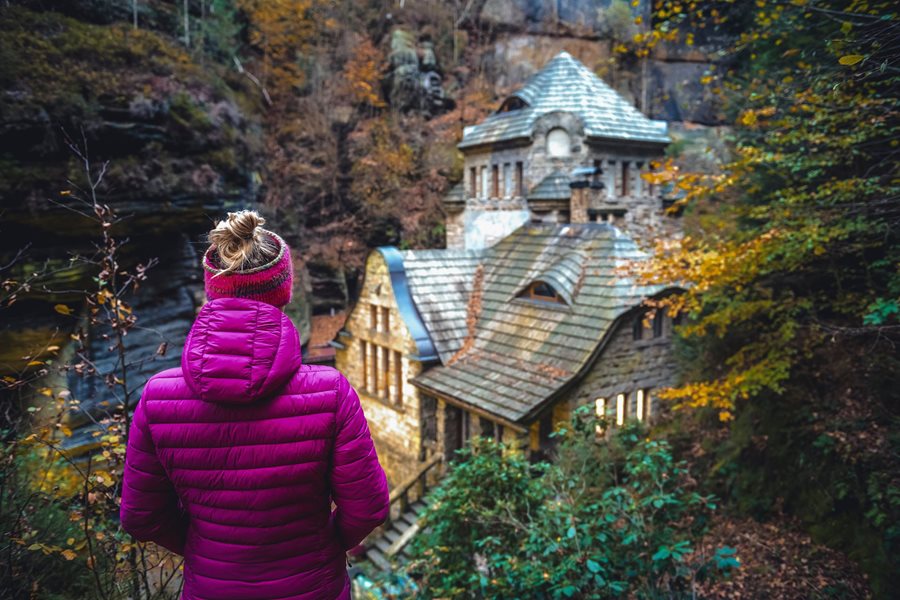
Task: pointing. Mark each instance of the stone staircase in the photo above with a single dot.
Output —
(390, 542)
(393, 541)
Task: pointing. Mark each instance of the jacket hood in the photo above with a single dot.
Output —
(239, 351)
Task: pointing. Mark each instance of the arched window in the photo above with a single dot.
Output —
(559, 143)
(637, 327)
(658, 322)
(542, 291)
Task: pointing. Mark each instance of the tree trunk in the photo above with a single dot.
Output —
(187, 24)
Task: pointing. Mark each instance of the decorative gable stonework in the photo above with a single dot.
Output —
(374, 352)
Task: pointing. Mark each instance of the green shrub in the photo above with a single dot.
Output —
(605, 519)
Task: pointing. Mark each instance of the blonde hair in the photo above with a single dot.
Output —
(241, 242)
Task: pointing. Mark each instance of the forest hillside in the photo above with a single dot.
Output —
(128, 126)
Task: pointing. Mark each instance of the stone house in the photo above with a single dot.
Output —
(524, 316)
(563, 126)
(444, 345)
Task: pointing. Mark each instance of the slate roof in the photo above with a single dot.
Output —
(565, 84)
(440, 282)
(554, 186)
(523, 351)
(456, 194)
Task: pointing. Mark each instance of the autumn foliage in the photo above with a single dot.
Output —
(798, 248)
(363, 74)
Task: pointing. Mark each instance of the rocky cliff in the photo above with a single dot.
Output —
(181, 142)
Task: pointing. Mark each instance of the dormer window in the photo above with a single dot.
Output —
(541, 291)
(513, 103)
(559, 144)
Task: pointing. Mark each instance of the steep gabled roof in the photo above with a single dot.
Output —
(440, 282)
(522, 351)
(566, 85)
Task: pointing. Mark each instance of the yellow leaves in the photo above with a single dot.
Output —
(751, 117)
(69, 554)
(362, 74)
(850, 59)
(62, 309)
(281, 30)
(706, 79)
(104, 478)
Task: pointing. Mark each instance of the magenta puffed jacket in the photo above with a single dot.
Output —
(235, 458)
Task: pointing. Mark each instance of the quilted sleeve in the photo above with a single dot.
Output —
(149, 509)
(358, 484)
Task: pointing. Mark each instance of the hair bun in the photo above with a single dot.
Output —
(240, 242)
(243, 224)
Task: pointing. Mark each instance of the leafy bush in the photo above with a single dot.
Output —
(605, 519)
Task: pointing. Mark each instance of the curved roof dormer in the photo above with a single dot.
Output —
(562, 277)
(512, 103)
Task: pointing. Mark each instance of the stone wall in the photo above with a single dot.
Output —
(625, 366)
(488, 217)
(394, 415)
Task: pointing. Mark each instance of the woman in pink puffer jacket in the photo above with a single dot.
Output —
(234, 460)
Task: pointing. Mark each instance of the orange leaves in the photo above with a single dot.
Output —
(362, 74)
(281, 30)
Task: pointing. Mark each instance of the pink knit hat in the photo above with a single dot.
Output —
(271, 283)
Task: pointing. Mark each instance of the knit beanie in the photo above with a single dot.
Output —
(271, 282)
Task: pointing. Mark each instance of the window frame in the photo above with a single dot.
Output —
(567, 147)
(600, 406)
(398, 378)
(520, 179)
(659, 323)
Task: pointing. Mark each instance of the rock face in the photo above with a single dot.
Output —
(415, 81)
(181, 144)
(560, 16)
(530, 32)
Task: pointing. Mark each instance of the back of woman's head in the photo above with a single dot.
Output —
(241, 242)
(246, 261)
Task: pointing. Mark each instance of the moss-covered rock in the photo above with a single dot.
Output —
(176, 132)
